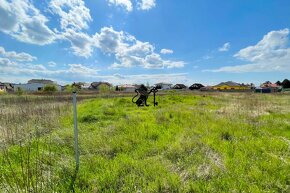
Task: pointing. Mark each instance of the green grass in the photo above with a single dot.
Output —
(189, 143)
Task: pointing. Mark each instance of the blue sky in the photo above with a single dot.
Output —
(140, 41)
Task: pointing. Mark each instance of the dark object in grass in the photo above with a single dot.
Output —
(144, 94)
(226, 136)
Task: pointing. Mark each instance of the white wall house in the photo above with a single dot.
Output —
(164, 86)
(2, 88)
(33, 87)
(127, 88)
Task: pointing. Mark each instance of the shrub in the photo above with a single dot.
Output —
(50, 88)
(19, 91)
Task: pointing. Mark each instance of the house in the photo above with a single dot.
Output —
(98, 86)
(230, 85)
(270, 86)
(2, 87)
(126, 88)
(179, 86)
(41, 81)
(263, 90)
(163, 86)
(85, 86)
(33, 87)
(196, 86)
(206, 88)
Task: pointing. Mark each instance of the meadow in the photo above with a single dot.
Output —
(190, 142)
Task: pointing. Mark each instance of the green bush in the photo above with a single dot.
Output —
(19, 91)
(104, 89)
(50, 88)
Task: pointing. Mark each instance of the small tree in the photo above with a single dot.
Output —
(286, 83)
(19, 91)
(104, 88)
(50, 88)
(279, 83)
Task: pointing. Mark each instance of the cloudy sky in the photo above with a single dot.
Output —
(140, 41)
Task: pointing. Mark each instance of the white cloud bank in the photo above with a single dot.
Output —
(15, 64)
(226, 47)
(21, 57)
(21, 20)
(74, 19)
(146, 4)
(270, 54)
(73, 13)
(128, 4)
(130, 52)
(166, 51)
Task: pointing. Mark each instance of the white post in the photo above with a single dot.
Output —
(76, 130)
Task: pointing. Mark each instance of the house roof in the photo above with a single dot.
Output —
(269, 85)
(179, 85)
(127, 86)
(97, 84)
(43, 81)
(160, 83)
(229, 83)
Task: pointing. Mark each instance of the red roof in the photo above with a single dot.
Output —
(269, 86)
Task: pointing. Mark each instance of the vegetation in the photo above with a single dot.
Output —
(19, 91)
(50, 88)
(104, 88)
(225, 142)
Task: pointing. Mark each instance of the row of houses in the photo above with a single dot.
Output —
(35, 85)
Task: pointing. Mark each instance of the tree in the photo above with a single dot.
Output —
(286, 83)
(50, 88)
(103, 88)
(279, 83)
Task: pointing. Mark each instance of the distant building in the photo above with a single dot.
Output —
(263, 90)
(99, 86)
(35, 85)
(126, 88)
(230, 85)
(270, 87)
(41, 81)
(163, 86)
(2, 87)
(206, 88)
(196, 86)
(179, 86)
(85, 86)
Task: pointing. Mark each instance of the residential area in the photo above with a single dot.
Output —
(44, 85)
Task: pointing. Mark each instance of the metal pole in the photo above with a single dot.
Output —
(76, 130)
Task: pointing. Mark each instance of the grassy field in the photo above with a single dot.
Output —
(202, 142)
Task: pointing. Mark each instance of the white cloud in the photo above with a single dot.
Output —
(127, 4)
(144, 78)
(130, 52)
(81, 43)
(166, 51)
(81, 70)
(226, 47)
(51, 64)
(22, 57)
(270, 54)
(5, 62)
(73, 13)
(74, 72)
(146, 4)
(21, 20)
(74, 17)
